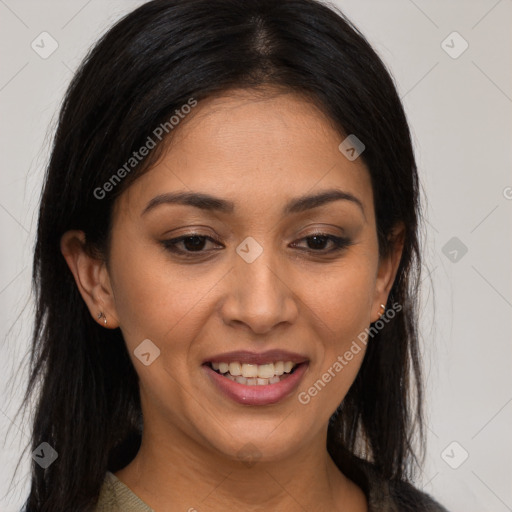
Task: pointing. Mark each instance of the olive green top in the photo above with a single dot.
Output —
(382, 497)
(117, 497)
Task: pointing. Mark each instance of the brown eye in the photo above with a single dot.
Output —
(317, 242)
(193, 243)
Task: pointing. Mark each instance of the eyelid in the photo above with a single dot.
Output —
(172, 242)
(339, 242)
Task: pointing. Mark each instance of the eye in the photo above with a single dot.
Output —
(193, 243)
(317, 241)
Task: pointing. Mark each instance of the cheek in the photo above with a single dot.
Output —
(341, 298)
(341, 303)
(155, 300)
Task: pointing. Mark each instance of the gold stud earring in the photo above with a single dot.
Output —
(382, 309)
(101, 314)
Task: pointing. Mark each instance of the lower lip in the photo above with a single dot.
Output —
(258, 395)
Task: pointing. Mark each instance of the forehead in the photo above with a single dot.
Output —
(256, 150)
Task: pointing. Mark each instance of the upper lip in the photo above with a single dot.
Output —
(246, 356)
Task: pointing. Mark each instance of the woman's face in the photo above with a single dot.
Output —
(254, 280)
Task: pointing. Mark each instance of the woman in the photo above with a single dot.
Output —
(226, 270)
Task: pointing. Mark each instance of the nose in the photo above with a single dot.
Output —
(259, 294)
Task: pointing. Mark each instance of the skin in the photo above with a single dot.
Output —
(258, 152)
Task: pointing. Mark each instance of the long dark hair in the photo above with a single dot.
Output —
(143, 69)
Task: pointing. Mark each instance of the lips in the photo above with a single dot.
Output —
(245, 377)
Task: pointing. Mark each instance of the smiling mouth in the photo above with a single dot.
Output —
(254, 374)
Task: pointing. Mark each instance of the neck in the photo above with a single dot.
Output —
(174, 468)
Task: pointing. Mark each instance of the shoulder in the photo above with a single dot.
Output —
(107, 501)
(115, 496)
(394, 495)
(409, 498)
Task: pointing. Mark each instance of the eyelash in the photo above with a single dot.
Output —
(340, 243)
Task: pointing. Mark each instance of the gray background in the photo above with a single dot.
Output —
(460, 114)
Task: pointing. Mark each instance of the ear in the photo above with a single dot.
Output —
(388, 267)
(91, 277)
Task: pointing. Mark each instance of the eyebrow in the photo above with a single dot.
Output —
(211, 203)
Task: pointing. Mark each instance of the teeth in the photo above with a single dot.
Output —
(249, 370)
(235, 369)
(288, 366)
(279, 368)
(265, 371)
(254, 374)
